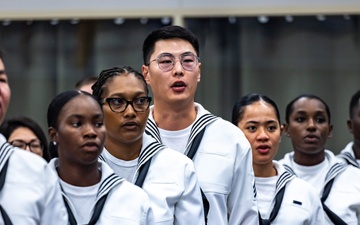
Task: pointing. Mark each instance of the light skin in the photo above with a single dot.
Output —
(125, 129)
(26, 135)
(354, 128)
(174, 91)
(86, 88)
(80, 138)
(262, 129)
(4, 92)
(308, 129)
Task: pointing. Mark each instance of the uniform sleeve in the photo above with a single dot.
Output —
(148, 218)
(242, 204)
(54, 211)
(189, 209)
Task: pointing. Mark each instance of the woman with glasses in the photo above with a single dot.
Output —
(92, 193)
(282, 197)
(26, 134)
(167, 176)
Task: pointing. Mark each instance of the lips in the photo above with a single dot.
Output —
(178, 86)
(311, 138)
(130, 125)
(90, 146)
(263, 149)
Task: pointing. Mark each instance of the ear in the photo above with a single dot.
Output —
(52, 134)
(330, 131)
(145, 72)
(286, 129)
(199, 74)
(281, 131)
(350, 126)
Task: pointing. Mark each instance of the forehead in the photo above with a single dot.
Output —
(80, 105)
(308, 105)
(259, 110)
(124, 83)
(173, 46)
(2, 67)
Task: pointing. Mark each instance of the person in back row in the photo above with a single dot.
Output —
(308, 125)
(29, 189)
(167, 176)
(92, 192)
(26, 134)
(351, 153)
(282, 197)
(222, 156)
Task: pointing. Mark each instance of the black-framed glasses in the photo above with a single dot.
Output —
(166, 61)
(34, 145)
(119, 105)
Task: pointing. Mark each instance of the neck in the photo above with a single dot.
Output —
(305, 159)
(174, 118)
(264, 170)
(124, 151)
(79, 175)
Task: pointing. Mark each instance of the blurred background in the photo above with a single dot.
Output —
(275, 48)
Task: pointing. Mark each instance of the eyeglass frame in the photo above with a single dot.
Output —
(174, 57)
(107, 100)
(27, 144)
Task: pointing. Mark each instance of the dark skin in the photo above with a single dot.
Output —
(354, 127)
(309, 129)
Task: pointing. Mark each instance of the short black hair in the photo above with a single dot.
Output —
(354, 102)
(239, 107)
(290, 109)
(165, 33)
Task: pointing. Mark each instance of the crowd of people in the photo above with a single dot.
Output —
(116, 155)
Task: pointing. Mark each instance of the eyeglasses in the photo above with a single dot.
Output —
(166, 61)
(34, 145)
(119, 105)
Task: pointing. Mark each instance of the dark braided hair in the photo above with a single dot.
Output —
(107, 75)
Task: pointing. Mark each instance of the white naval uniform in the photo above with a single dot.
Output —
(347, 155)
(171, 184)
(223, 165)
(31, 193)
(344, 197)
(125, 203)
(300, 204)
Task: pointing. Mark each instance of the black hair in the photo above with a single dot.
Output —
(54, 109)
(354, 102)
(168, 32)
(85, 81)
(11, 124)
(239, 107)
(107, 75)
(290, 109)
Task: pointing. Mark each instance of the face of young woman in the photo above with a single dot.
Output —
(127, 126)
(26, 139)
(309, 126)
(262, 129)
(81, 134)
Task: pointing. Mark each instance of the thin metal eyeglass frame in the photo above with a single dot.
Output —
(173, 63)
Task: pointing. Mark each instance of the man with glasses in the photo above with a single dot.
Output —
(29, 189)
(220, 151)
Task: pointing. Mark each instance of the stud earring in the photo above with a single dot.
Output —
(54, 143)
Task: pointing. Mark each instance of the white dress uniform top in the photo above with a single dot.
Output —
(125, 203)
(31, 192)
(300, 204)
(171, 183)
(223, 165)
(347, 155)
(344, 196)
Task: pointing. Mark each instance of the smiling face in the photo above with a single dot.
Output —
(125, 127)
(178, 84)
(261, 127)
(309, 129)
(80, 135)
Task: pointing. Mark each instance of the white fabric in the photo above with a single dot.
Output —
(265, 189)
(300, 204)
(176, 140)
(348, 149)
(223, 164)
(31, 194)
(172, 186)
(344, 197)
(125, 204)
(124, 169)
(82, 198)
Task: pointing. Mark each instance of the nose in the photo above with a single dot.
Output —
(90, 131)
(311, 124)
(27, 148)
(262, 134)
(178, 69)
(129, 111)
